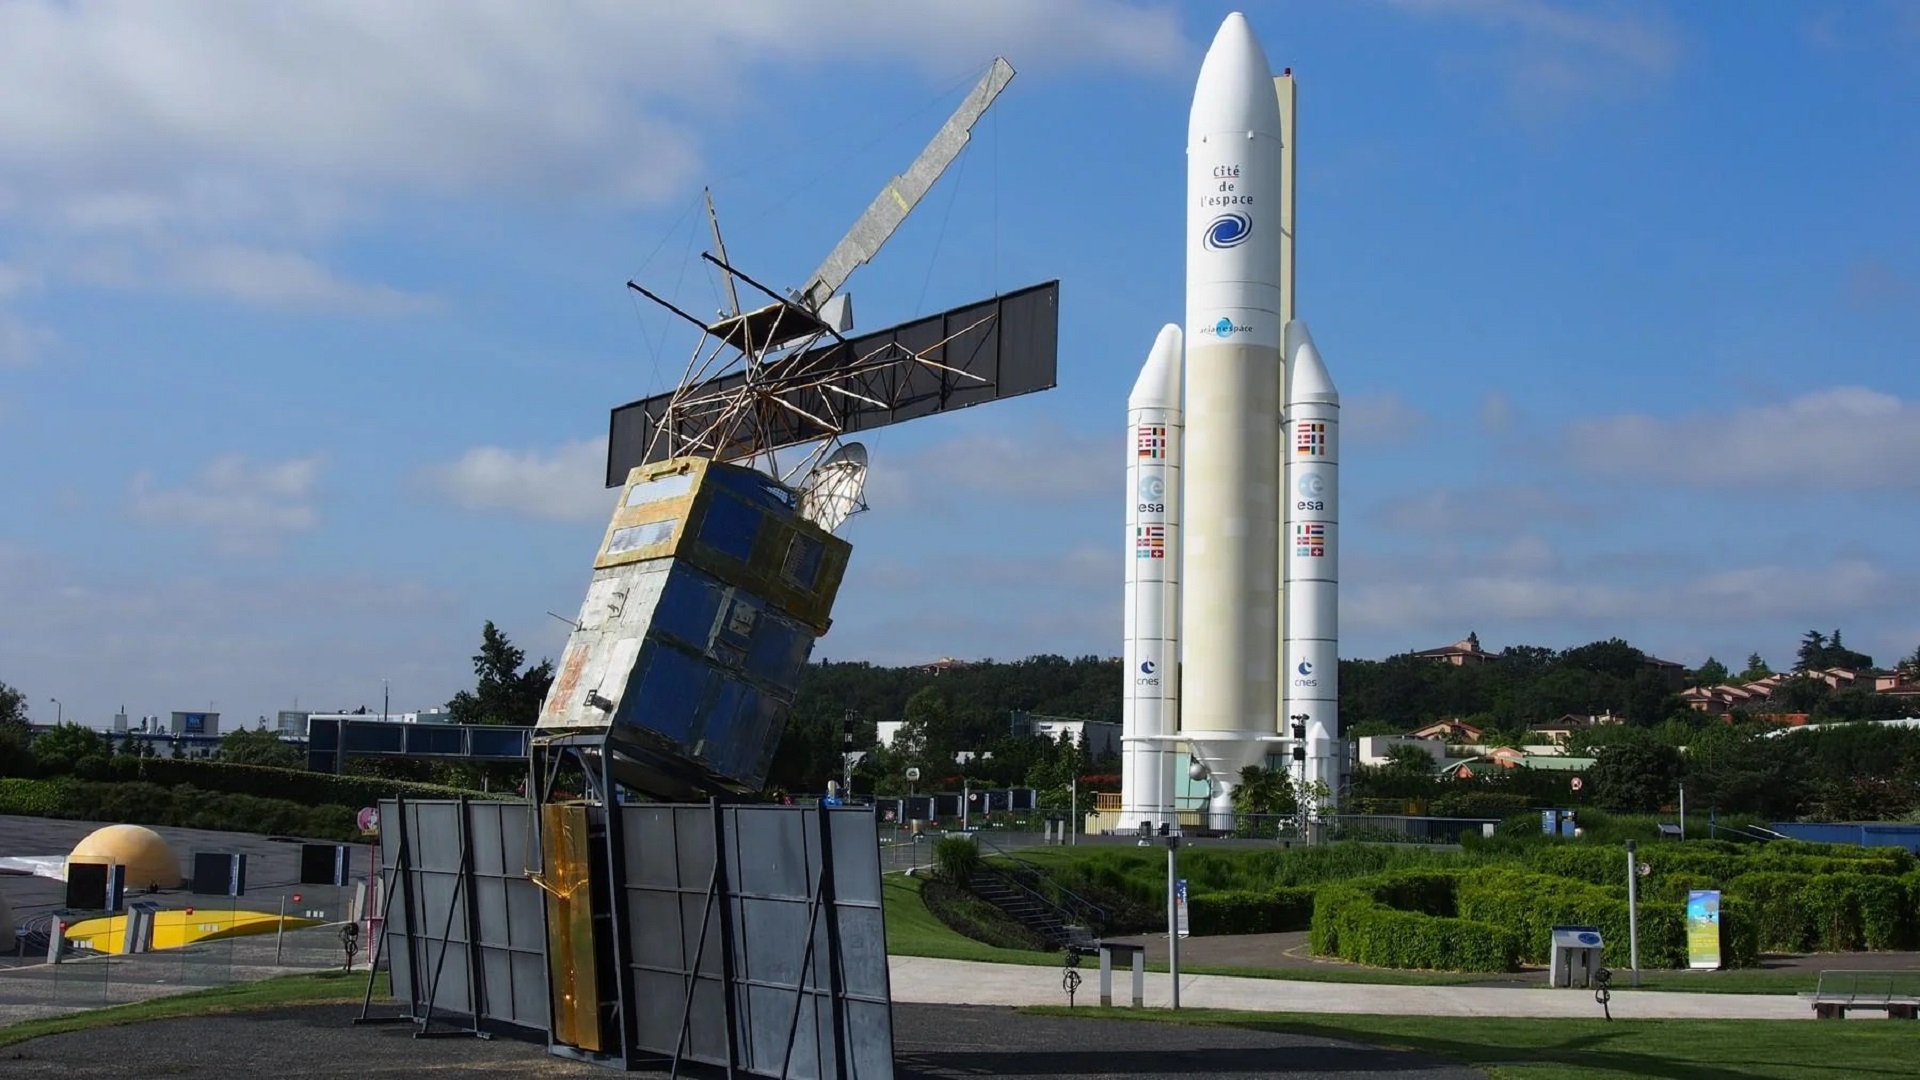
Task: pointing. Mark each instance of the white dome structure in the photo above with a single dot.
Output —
(149, 859)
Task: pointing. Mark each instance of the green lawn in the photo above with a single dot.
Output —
(1529, 1049)
(316, 989)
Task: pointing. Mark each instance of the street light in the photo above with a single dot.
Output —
(59, 712)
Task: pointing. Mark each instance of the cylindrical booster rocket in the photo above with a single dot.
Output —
(1231, 576)
(1152, 621)
(1313, 555)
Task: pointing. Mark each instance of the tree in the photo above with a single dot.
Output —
(61, 749)
(1637, 773)
(1711, 673)
(1756, 668)
(259, 747)
(15, 732)
(1819, 652)
(504, 694)
(1267, 792)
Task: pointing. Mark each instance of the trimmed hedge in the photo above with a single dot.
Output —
(185, 806)
(1716, 860)
(1352, 922)
(266, 782)
(1830, 912)
(1246, 911)
(1493, 919)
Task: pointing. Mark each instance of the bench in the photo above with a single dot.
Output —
(1136, 956)
(1896, 993)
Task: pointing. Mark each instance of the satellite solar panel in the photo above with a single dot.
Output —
(997, 348)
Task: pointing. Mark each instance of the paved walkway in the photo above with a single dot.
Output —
(962, 982)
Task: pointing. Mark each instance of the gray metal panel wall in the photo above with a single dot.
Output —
(443, 903)
(766, 928)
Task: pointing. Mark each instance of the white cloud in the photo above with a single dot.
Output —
(99, 639)
(1445, 509)
(1528, 581)
(1067, 601)
(1497, 413)
(1384, 419)
(1561, 52)
(563, 484)
(22, 343)
(455, 97)
(281, 279)
(1847, 438)
(16, 279)
(246, 508)
(1874, 285)
(1044, 465)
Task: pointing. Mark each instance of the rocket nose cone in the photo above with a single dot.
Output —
(1235, 88)
(1158, 386)
(1307, 378)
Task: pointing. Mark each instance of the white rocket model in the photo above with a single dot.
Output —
(1313, 556)
(1230, 601)
(1152, 636)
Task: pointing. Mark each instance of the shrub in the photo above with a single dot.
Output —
(970, 916)
(1351, 922)
(185, 806)
(270, 783)
(1245, 911)
(1840, 912)
(957, 858)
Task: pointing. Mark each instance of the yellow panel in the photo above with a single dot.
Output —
(172, 929)
(572, 967)
(672, 512)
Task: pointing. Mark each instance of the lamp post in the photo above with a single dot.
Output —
(1173, 913)
(59, 712)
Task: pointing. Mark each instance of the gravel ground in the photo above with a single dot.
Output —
(931, 1043)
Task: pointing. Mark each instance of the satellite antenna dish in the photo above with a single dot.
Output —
(833, 491)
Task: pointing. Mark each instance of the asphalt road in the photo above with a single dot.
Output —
(932, 1042)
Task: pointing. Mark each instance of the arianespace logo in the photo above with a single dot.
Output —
(1225, 231)
(1226, 328)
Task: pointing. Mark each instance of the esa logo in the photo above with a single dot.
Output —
(1148, 674)
(1311, 487)
(1305, 674)
(1153, 494)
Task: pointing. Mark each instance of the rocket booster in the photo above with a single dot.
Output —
(1232, 514)
(1151, 650)
(1313, 553)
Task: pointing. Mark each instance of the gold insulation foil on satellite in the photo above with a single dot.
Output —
(707, 595)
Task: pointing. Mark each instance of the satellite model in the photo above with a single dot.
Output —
(721, 564)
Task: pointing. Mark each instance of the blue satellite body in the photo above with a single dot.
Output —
(707, 595)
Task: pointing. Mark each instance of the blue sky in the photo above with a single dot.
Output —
(310, 317)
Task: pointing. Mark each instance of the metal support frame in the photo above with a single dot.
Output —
(402, 861)
(717, 954)
(547, 756)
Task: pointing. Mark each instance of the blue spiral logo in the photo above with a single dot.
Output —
(1227, 230)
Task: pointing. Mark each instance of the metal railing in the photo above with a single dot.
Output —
(1040, 883)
